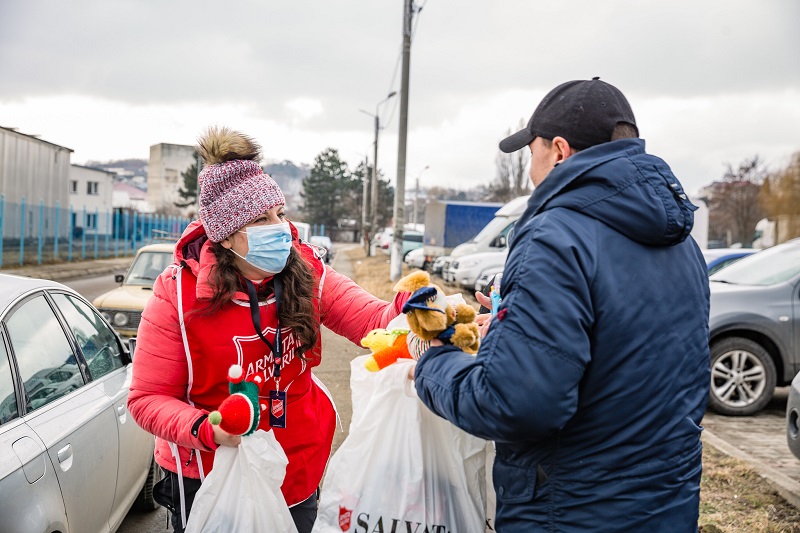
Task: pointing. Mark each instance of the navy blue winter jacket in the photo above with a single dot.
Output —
(594, 376)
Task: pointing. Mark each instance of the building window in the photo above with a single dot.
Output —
(91, 221)
(91, 187)
(73, 187)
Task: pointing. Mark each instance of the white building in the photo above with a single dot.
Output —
(164, 175)
(128, 197)
(90, 196)
(35, 173)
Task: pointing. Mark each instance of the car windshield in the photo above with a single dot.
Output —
(774, 265)
(146, 268)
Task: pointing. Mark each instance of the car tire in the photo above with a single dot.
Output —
(144, 501)
(743, 377)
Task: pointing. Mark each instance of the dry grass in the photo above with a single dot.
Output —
(733, 497)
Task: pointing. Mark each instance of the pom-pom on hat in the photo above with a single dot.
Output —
(233, 188)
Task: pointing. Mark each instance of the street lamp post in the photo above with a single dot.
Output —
(374, 180)
(416, 193)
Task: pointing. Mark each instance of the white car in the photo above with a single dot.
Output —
(466, 270)
(72, 459)
(486, 277)
(416, 258)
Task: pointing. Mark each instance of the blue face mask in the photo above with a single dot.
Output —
(268, 246)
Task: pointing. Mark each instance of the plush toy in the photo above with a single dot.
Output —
(430, 316)
(387, 347)
(239, 413)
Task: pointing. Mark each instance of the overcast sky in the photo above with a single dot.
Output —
(710, 82)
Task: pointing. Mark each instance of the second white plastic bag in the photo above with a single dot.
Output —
(401, 467)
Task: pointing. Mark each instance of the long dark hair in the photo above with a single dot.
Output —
(297, 307)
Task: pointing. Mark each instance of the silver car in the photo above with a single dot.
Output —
(754, 329)
(72, 459)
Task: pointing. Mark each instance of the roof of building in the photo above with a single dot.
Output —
(35, 138)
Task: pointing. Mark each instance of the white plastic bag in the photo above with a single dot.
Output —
(242, 494)
(401, 467)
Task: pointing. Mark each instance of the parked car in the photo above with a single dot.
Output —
(754, 328)
(73, 459)
(122, 307)
(719, 258)
(465, 270)
(411, 241)
(486, 277)
(438, 264)
(793, 417)
(324, 242)
(416, 259)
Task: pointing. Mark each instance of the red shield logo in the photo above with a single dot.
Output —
(277, 408)
(344, 518)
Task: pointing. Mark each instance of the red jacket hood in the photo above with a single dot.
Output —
(194, 250)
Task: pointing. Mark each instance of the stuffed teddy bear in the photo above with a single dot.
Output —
(430, 316)
(387, 347)
(239, 413)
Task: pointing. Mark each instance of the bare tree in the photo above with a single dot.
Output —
(734, 201)
(780, 198)
(511, 178)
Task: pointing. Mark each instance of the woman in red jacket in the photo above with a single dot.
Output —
(216, 307)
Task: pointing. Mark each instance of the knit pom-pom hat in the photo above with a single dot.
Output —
(233, 188)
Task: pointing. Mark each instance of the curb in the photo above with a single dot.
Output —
(787, 487)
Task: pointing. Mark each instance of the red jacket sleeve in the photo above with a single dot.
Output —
(352, 312)
(157, 400)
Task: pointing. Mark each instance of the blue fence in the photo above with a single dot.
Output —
(36, 234)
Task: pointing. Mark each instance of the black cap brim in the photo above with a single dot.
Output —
(517, 141)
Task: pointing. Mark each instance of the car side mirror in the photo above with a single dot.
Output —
(131, 347)
(119, 278)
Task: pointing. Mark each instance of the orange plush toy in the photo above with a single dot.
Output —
(387, 347)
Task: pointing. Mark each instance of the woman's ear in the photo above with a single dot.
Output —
(226, 243)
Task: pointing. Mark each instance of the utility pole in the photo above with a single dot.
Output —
(364, 189)
(374, 200)
(396, 267)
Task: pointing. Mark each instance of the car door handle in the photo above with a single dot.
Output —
(121, 409)
(65, 457)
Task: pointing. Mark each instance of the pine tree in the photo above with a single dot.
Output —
(188, 191)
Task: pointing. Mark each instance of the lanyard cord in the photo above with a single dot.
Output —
(255, 314)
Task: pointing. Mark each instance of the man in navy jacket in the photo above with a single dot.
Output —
(594, 375)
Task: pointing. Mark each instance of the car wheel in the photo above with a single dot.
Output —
(742, 377)
(144, 501)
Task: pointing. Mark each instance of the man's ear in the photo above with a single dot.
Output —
(561, 149)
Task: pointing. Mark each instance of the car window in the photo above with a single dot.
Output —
(47, 364)
(413, 237)
(146, 268)
(8, 401)
(99, 345)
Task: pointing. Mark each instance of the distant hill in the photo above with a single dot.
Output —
(289, 178)
(123, 167)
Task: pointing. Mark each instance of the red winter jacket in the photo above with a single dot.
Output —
(177, 378)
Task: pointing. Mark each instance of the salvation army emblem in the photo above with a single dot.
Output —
(277, 408)
(344, 518)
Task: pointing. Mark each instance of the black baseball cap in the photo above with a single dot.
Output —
(584, 112)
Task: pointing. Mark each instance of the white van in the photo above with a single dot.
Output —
(493, 236)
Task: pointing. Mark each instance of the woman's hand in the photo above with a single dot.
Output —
(223, 438)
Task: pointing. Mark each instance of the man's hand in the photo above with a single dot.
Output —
(223, 438)
(486, 318)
